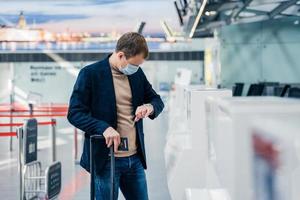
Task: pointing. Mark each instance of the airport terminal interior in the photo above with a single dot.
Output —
(227, 72)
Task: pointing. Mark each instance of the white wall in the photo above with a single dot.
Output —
(56, 86)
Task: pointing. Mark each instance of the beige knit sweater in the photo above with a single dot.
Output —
(125, 118)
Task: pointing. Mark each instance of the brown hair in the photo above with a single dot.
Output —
(132, 44)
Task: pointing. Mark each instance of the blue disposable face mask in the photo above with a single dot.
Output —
(129, 69)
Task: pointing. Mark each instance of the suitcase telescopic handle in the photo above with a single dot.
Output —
(112, 171)
(92, 170)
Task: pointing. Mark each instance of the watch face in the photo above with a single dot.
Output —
(123, 145)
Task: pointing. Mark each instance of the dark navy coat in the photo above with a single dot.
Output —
(92, 106)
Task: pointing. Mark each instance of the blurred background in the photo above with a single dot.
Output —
(228, 72)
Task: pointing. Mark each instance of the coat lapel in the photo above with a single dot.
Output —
(110, 90)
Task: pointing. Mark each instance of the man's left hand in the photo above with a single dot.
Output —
(143, 111)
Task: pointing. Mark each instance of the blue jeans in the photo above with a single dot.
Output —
(129, 177)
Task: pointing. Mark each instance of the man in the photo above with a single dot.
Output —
(111, 98)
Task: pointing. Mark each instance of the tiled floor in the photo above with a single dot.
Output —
(75, 179)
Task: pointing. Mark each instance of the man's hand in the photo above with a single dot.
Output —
(143, 111)
(112, 137)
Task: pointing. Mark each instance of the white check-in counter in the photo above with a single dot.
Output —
(275, 158)
(230, 144)
(186, 151)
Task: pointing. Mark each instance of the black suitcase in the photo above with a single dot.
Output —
(98, 159)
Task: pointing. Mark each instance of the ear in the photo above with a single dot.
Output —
(120, 54)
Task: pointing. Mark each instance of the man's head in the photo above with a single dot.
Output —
(131, 49)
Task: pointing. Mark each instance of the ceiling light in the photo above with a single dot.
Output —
(209, 13)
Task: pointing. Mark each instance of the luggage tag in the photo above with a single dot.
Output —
(123, 145)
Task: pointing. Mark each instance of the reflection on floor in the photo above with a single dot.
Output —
(75, 179)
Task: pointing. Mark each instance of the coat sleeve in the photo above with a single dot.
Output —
(150, 96)
(79, 114)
